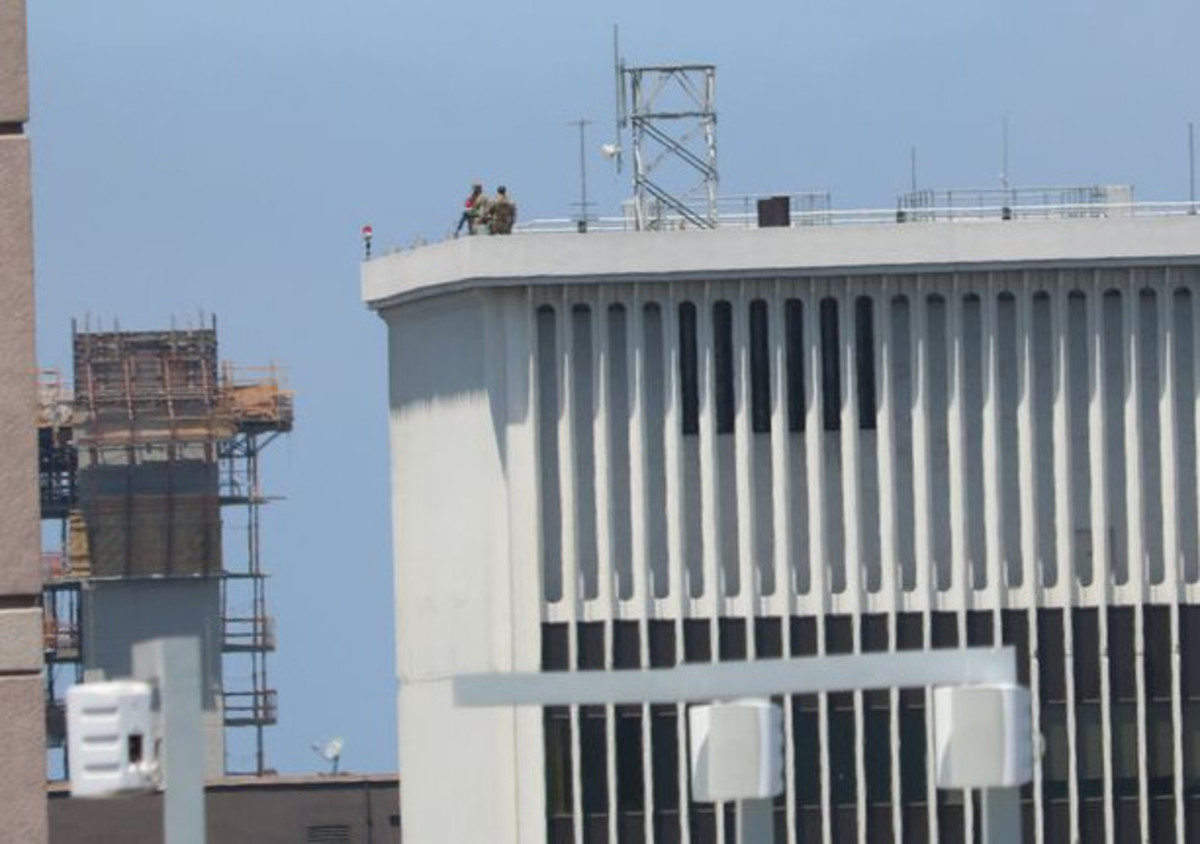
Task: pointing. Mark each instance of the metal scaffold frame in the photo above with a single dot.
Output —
(670, 111)
(152, 399)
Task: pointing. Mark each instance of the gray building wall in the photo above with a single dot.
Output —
(273, 810)
(118, 614)
(22, 727)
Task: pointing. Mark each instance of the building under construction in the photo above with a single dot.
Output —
(138, 463)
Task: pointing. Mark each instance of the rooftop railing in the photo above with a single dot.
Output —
(814, 209)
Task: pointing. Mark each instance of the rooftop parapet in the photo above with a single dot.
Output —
(864, 241)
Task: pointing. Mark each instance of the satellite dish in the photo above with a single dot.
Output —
(330, 751)
(610, 150)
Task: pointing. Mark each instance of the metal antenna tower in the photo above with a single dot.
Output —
(670, 111)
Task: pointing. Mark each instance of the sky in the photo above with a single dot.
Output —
(220, 157)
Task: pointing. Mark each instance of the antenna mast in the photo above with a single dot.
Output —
(671, 114)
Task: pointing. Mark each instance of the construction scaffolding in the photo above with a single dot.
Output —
(137, 465)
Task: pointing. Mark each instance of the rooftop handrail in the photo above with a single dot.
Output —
(812, 210)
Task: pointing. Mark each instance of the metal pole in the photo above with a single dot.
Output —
(582, 123)
(760, 678)
(173, 667)
(1192, 168)
(755, 822)
(1001, 815)
(1004, 153)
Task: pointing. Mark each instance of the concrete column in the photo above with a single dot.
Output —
(22, 730)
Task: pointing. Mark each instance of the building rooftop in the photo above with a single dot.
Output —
(1128, 233)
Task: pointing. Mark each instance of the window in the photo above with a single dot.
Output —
(760, 369)
(793, 326)
(831, 377)
(689, 385)
(328, 834)
(864, 360)
(722, 316)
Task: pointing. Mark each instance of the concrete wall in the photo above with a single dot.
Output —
(458, 390)
(119, 614)
(22, 727)
(267, 811)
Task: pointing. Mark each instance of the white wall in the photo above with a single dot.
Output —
(459, 366)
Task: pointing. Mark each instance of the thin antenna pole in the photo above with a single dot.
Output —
(1004, 152)
(619, 90)
(582, 123)
(1192, 168)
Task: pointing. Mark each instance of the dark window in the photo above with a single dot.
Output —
(593, 760)
(807, 759)
(703, 821)
(732, 644)
(556, 723)
(1051, 656)
(689, 373)
(804, 635)
(1087, 653)
(944, 629)
(555, 653)
(664, 751)
(591, 645)
(831, 376)
(1121, 661)
(697, 640)
(912, 752)
(630, 795)
(768, 638)
(874, 632)
(979, 628)
(662, 644)
(626, 645)
(760, 368)
(877, 753)
(839, 634)
(793, 315)
(864, 360)
(909, 633)
(722, 316)
(1158, 652)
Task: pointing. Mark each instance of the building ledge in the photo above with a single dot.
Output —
(709, 255)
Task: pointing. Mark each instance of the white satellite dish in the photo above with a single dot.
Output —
(330, 751)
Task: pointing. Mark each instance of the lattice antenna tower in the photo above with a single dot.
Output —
(670, 112)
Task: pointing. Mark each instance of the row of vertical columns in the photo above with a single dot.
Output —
(1001, 510)
(739, 487)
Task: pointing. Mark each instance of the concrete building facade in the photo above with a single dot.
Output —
(22, 728)
(637, 450)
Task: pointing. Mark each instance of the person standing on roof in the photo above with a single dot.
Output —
(474, 210)
(503, 213)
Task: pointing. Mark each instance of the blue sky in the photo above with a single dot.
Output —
(222, 156)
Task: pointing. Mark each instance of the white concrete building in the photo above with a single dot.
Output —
(637, 449)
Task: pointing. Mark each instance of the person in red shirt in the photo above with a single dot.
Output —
(475, 209)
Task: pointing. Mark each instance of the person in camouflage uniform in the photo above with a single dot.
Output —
(475, 210)
(502, 213)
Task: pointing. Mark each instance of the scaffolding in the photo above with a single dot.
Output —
(137, 465)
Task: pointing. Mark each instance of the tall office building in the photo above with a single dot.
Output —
(22, 760)
(623, 450)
